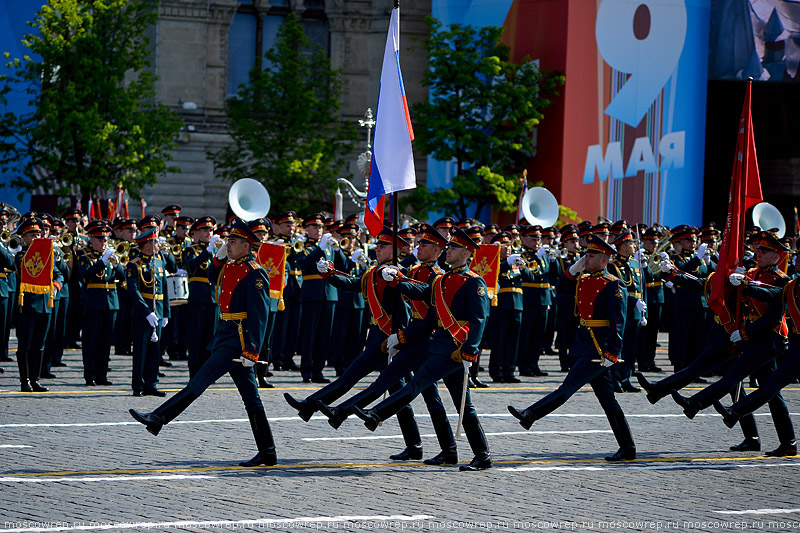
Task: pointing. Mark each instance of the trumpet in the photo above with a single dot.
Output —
(298, 246)
(122, 248)
(67, 239)
(516, 243)
(176, 250)
(116, 259)
(220, 243)
(11, 241)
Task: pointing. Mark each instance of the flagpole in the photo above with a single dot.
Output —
(395, 226)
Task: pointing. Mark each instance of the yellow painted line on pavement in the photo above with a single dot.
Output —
(382, 464)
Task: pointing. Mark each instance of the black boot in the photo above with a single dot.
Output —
(34, 365)
(749, 444)
(729, 416)
(622, 432)
(266, 444)
(22, 365)
(304, 408)
(445, 457)
(371, 420)
(784, 450)
(152, 422)
(690, 407)
(652, 394)
(479, 462)
(540, 409)
(411, 453)
(166, 412)
(336, 415)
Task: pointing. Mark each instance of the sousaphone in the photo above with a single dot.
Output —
(540, 207)
(249, 199)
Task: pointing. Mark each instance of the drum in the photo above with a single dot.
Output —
(178, 289)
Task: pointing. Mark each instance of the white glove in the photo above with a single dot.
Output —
(740, 270)
(736, 279)
(637, 256)
(701, 250)
(514, 259)
(358, 256)
(641, 305)
(279, 241)
(323, 265)
(107, 254)
(605, 362)
(663, 256)
(415, 252)
(222, 253)
(390, 274)
(392, 341)
(552, 252)
(577, 267)
(323, 242)
(247, 363)
(152, 319)
(541, 251)
(736, 336)
(613, 247)
(669, 284)
(466, 364)
(180, 272)
(302, 237)
(667, 266)
(212, 246)
(643, 322)
(164, 322)
(162, 241)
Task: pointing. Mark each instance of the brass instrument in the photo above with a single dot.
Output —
(13, 216)
(5, 235)
(122, 248)
(115, 260)
(67, 239)
(345, 242)
(220, 243)
(176, 250)
(11, 241)
(298, 246)
(516, 243)
(655, 260)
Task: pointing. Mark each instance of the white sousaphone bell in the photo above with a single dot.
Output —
(249, 199)
(766, 216)
(540, 207)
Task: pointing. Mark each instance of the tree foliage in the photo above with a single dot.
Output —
(285, 125)
(93, 121)
(481, 116)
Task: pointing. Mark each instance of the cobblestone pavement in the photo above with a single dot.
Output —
(74, 460)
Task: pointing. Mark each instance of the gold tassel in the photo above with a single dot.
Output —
(281, 305)
(21, 294)
(494, 301)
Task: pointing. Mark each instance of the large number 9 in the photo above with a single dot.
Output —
(648, 50)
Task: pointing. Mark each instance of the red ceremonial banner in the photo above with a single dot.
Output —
(36, 276)
(272, 258)
(745, 193)
(486, 264)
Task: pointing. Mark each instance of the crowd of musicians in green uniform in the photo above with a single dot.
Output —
(595, 295)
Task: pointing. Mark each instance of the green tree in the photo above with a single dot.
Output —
(94, 123)
(481, 115)
(285, 125)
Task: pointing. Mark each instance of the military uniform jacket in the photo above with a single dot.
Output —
(37, 303)
(629, 272)
(147, 282)
(196, 261)
(243, 297)
(100, 282)
(654, 285)
(601, 305)
(315, 289)
(690, 295)
(459, 294)
(762, 306)
(423, 319)
(536, 280)
(509, 291)
(382, 300)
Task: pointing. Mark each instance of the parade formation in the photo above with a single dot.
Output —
(313, 296)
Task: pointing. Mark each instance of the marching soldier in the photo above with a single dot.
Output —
(548, 241)
(654, 298)
(54, 346)
(629, 272)
(202, 311)
(244, 291)
(100, 305)
(73, 220)
(260, 228)
(39, 283)
(461, 302)
(128, 229)
(346, 343)
(600, 303)
(146, 282)
(762, 338)
(385, 305)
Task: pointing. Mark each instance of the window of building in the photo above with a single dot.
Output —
(253, 31)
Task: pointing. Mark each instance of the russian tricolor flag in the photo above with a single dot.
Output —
(392, 167)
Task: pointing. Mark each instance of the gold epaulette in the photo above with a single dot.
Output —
(471, 274)
(253, 264)
(610, 277)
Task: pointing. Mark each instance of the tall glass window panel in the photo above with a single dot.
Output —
(272, 24)
(241, 50)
